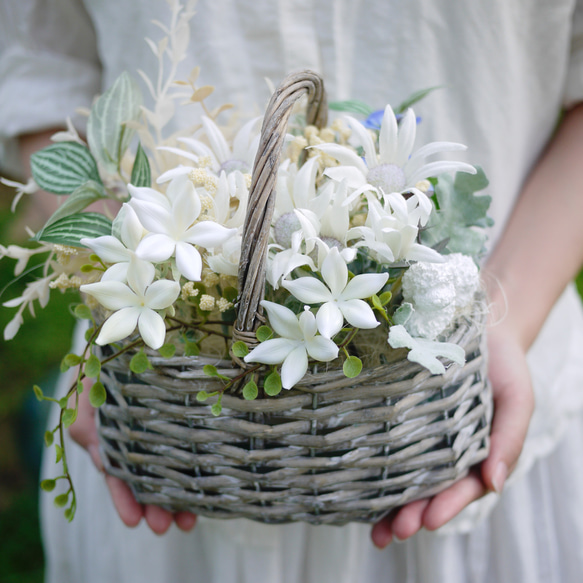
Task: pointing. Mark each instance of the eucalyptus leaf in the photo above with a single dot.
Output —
(63, 167)
(414, 98)
(70, 230)
(458, 226)
(107, 133)
(78, 200)
(141, 174)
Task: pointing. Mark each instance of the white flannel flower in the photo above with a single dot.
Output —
(173, 229)
(239, 157)
(134, 305)
(395, 168)
(298, 341)
(341, 298)
(110, 249)
(281, 263)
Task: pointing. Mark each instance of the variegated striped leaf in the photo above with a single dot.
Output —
(141, 175)
(107, 134)
(63, 167)
(70, 230)
(78, 200)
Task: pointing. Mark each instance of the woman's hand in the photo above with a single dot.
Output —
(513, 407)
(84, 432)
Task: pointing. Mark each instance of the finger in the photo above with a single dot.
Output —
(513, 408)
(449, 503)
(409, 519)
(129, 510)
(158, 519)
(381, 533)
(185, 521)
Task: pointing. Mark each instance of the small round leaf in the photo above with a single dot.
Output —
(48, 485)
(61, 500)
(250, 391)
(167, 351)
(216, 409)
(264, 333)
(240, 349)
(69, 417)
(49, 438)
(352, 367)
(202, 396)
(210, 370)
(92, 367)
(272, 384)
(139, 363)
(82, 312)
(97, 395)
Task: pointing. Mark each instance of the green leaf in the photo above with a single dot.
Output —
(140, 363)
(250, 391)
(69, 417)
(210, 370)
(80, 387)
(376, 302)
(216, 409)
(82, 312)
(89, 333)
(352, 367)
(38, 392)
(191, 349)
(352, 106)
(414, 98)
(385, 298)
(70, 230)
(61, 500)
(78, 200)
(141, 175)
(92, 367)
(69, 361)
(272, 384)
(49, 438)
(59, 452)
(240, 349)
(107, 134)
(167, 351)
(63, 167)
(97, 395)
(460, 212)
(230, 294)
(264, 333)
(48, 485)
(63, 402)
(70, 513)
(202, 396)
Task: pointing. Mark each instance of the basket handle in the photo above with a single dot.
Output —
(262, 194)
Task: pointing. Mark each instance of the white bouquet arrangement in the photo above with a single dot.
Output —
(373, 245)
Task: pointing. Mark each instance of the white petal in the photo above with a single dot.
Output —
(322, 349)
(219, 264)
(140, 275)
(388, 137)
(178, 152)
(344, 155)
(119, 325)
(188, 261)
(305, 183)
(117, 272)
(155, 217)
(330, 319)
(113, 295)
(436, 168)
(109, 249)
(152, 328)
(308, 325)
(335, 272)
(417, 158)
(417, 252)
(407, 130)
(161, 294)
(156, 248)
(273, 351)
(364, 286)
(358, 314)
(308, 290)
(13, 326)
(294, 367)
(170, 174)
(354, 177)
(216, 139)
(283, 320)
(132, 230)
(186, 206)
(145, 193)
(365, 139)
(208, 234)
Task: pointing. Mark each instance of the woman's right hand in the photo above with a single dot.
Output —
(84, 432)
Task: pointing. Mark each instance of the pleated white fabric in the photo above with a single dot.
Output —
(505, 69)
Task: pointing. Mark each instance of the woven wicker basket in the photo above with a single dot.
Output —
(330, 451)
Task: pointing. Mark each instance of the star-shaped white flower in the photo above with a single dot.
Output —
(173, 230)
(341, 298)
(134, 305)
(118, 252)
(298, 341)
(395, 168)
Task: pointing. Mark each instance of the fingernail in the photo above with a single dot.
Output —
(499, 477)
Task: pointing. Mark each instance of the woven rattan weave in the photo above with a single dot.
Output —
(330, 451)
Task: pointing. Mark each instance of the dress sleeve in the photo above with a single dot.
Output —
(48, 63)
(574, 82)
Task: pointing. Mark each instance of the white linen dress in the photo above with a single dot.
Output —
(505, 68)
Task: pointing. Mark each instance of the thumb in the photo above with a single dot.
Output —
(513, 407)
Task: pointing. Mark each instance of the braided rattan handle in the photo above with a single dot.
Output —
(262, 194)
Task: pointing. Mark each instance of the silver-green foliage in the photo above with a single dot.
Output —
(71, 229)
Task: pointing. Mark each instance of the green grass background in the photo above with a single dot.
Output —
(32, 357)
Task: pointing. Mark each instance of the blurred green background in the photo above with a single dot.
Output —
(32, 357)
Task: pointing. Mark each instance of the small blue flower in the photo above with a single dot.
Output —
(374, 120)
